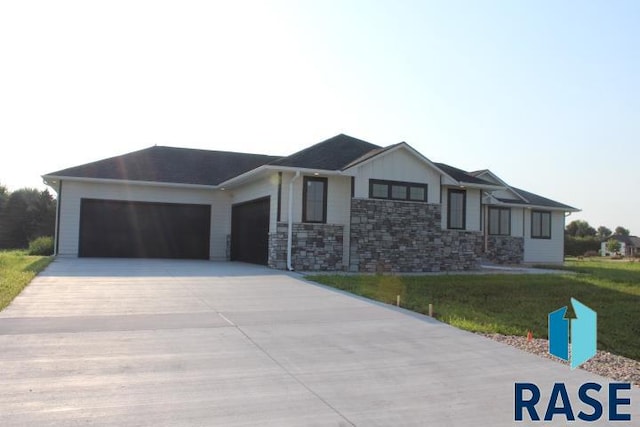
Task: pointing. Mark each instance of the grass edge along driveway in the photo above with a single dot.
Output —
(17, 269)
(512, 304)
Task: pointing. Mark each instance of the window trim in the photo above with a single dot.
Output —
(408, 185)
(325, 181)
(541, 236)
(500, 211)
(464, 208)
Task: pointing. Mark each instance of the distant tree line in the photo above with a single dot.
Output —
(25, 214)
(580, 238)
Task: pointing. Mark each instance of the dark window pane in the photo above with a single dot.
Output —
(494, 221)
(456, 209)
(399, 192)
(314, 202)
(380, 191)
(505, 219)
(541, 225)
(417, 193)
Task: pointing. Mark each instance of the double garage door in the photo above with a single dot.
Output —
(127, 229)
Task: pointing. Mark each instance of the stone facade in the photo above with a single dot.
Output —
(315, 247)
(505, 249)
(395, 236)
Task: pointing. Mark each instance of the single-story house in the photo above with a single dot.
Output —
(343, 204)
(629, 245)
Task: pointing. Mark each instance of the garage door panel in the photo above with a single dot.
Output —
(128, 229)
(250, 231)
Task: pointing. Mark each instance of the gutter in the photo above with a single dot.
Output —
(290, 222)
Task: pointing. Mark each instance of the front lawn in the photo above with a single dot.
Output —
(16, 271)
(513, 304)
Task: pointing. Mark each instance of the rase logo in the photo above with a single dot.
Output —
(579, 334)
(583, 333)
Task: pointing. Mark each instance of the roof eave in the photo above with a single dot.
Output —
(541, 207)
(54, 179)
(241, 179)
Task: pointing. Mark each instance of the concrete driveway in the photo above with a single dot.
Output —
(151, 342)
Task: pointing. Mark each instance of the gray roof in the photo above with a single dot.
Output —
(462, 176)
(333, 154)
(170, 164)
(536, 200)
(627, 240)
(205, 167)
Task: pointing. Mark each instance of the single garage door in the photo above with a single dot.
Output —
(250, 231)
(125, 229)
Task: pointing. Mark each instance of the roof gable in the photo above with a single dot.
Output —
(464, 176)
(170, 165)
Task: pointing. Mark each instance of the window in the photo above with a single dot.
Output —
(397, 190)
(314, 196)
(499, 221)
(540, 225)
(457, 200)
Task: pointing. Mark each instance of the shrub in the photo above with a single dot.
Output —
(591, 253)
(41, 246)
(577, 246)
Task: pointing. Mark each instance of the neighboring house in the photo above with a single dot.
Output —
(629, 245)
(354, 206)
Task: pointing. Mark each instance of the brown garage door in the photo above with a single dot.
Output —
(125, 229)
(250, 231)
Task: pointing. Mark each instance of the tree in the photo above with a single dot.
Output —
(613, 245)
(4, 195)
(621, 231)
(603, 232)
(580, 228)
(26, 214)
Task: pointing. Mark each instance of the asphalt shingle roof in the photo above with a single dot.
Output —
(206, 167)
(170, 164)
(333, 154)
(537, 200)
(462, 176)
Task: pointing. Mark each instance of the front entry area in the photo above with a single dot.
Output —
(131, 229)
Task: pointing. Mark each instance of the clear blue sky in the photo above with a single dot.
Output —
(544, 93)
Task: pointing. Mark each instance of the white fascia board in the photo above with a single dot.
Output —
(247, 176)
(53, 179)
(463, 185)
(534, 207)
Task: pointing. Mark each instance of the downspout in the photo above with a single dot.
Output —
(290, 222)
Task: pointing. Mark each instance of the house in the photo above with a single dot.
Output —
(343, 204)
(629, 245)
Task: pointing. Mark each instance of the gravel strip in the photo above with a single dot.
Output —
(608, 365)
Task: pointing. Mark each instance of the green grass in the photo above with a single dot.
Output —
(514, 304)
(16, 271)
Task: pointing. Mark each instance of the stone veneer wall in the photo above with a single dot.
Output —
(394, 236)
(505, 249)
(315, 247)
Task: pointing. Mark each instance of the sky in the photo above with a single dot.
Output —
(546, 94)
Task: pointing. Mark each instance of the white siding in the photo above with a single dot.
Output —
(399, 165)
(264, 187)
(545, 250)
(73, 192)
(517, 222)
(472, 209)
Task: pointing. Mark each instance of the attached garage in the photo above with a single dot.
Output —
(132, 229)
(250, 231)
